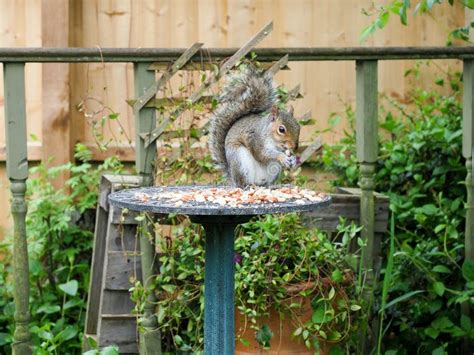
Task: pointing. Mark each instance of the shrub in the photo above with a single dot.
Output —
(60, 234)
(420, 166)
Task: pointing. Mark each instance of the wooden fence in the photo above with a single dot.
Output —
(54, 91)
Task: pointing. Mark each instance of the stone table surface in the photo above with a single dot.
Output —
(132, 199)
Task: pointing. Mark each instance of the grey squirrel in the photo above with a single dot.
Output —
(250, 138)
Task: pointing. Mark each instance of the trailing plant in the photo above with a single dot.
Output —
(60, 233)
(421, 168)
(277, 259)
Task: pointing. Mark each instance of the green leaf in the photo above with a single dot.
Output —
(401, 299)
(403, 15)
(49, 309)
(431, 332)
(468, 270)
(110, 350)
(298, 331)
(336, 350)
(245, 342)
(169, 288)
(92, 342)
(332, 293)
(428, 209)
(469, 4)
(355, 307)
(68, 333)
(264, 335)
(366, 32)
(383, 19)
(438, 288)
(318, 315)
(430, 3)
(438, 351)
(5, 338)
(441, 269)
(465, 322)
(336, 276)
(114, 115)
(69, 287)
(442, 323)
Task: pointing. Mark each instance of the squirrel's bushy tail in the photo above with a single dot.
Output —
(247, 92)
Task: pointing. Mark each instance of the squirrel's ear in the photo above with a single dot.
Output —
(274, 113)
(291, 109)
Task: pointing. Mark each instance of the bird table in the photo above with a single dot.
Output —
(219, 217)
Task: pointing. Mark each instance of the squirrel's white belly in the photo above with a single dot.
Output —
(256, 173)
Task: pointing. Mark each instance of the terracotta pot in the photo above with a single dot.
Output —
(282, 341)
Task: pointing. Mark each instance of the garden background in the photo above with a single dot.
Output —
(57, 92)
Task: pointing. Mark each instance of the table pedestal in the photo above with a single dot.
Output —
(219, 305)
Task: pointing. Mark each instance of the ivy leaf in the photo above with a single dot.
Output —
(264, 335)
(336, 276)
(70, 287)
(318, 315)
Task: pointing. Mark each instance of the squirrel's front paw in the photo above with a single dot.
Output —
(288, 161)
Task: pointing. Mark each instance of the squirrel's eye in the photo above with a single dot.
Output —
(281, 129)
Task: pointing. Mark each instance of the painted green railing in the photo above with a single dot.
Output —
(14, 60)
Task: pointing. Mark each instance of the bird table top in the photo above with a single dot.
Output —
(198, 200)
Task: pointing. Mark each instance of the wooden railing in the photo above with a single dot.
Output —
(14, 60)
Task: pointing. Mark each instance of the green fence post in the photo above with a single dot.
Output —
(467, 150)
(367, 152)
(145, 122)
(467, 146)
(17, 171)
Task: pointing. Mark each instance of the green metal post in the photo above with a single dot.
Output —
(17, 170)
(367, 152)
(467, 150)
(145, 122)
(219, 323)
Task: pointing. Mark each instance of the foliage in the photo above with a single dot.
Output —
(277, 259)
(402, 8)
(60, 231)
(420, 167)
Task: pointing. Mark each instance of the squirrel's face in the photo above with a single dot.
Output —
(285, 129)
